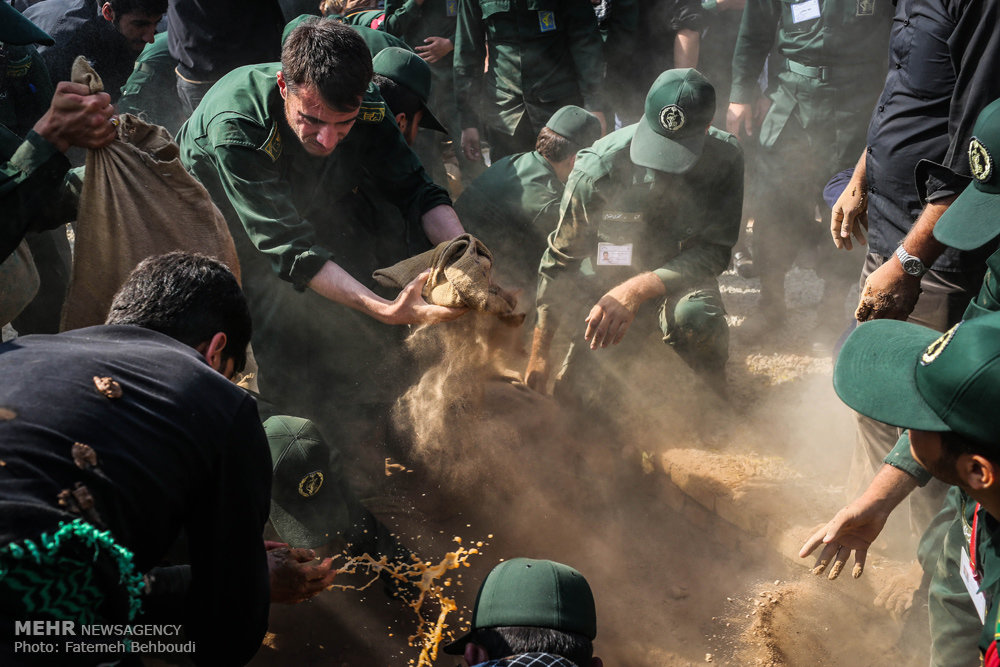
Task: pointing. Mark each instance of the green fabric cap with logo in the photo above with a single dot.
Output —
(15, 29)
(308, 508)
(532, 593)
(679, 108)
(973, 219)
(575, 124)
(410, 71)
(910, 376)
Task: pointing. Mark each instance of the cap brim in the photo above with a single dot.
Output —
(311, 525)
(18, 30)
(457, 647)
(674, 156)
(875, 374)
(430, 121)
(971, 221)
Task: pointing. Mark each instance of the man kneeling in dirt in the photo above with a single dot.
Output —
(654, 210)
(531, 613)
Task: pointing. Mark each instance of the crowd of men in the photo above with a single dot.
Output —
(581, 142)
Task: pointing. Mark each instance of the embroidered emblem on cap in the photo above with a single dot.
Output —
(310, 484)
(980, 161)
(935, 349)
(672, 118)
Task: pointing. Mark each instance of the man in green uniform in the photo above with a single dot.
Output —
(278, 146)
(514, 205)
(830, 68)
(543, 55)
(654, 208)
(956, 607)
(38, 126)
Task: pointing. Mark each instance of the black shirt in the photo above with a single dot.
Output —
(79, 30)
(181, 448)
(944, 68)
(209, 38)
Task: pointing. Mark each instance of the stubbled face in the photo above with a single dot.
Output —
(137, 28)
(319, 128)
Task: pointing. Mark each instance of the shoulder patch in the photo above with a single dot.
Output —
(371, 112)
(273, 144)
(19, 67)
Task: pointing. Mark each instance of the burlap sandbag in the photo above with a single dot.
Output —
(137, 201)
(461, 277)
(18, 283)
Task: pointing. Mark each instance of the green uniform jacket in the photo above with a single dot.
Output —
(512, 207)
(680, 226)
(151, 89)
(240, 147)
(846, 36)
(32, 177)
(414, 23)
(543, 54)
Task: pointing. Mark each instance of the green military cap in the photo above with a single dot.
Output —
(973, 219)
(15, 29)
(679, 108)
(910, 376)
(308, 508)
(578, 125)
(532, 593)
(410, 71)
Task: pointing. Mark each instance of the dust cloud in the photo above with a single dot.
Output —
(582, 481)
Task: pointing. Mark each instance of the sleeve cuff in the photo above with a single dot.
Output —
(307, 265)
(744, 94)
(33, 153)
(901, 458)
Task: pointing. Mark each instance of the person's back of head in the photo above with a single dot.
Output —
(188, 297)
(399, 98)
(147, 7)
(527, 606)
(332, 58)
(569, 130)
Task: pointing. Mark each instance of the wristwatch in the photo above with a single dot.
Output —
(911, 264)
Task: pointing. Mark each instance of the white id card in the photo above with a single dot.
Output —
(978, 599)
(805, 11)
(609, 254)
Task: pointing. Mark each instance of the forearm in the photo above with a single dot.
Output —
(441, 224)
(334, 283)
(637, 290)
(920, 240)
(889, 487)
(686, 47)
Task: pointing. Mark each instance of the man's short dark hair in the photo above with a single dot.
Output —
(555, 147)
(399, 98)
(954, 445)
(330, 56)
(188, 297)
(147, 7)
(512, 640)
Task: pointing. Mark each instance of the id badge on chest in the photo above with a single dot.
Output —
(609, 254)
(969, 579)
(805, 11)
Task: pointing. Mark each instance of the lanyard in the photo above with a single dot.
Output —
(972, 544)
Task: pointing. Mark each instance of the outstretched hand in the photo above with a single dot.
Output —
(852, 529)
(296, 574)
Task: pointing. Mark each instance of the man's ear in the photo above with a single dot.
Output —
(282, 85)
(402, 122)
(211, 351)
(978, 472)
(475, 654)
(107, 12)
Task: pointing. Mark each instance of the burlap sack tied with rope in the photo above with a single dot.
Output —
(137, 201)
(461, 277)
